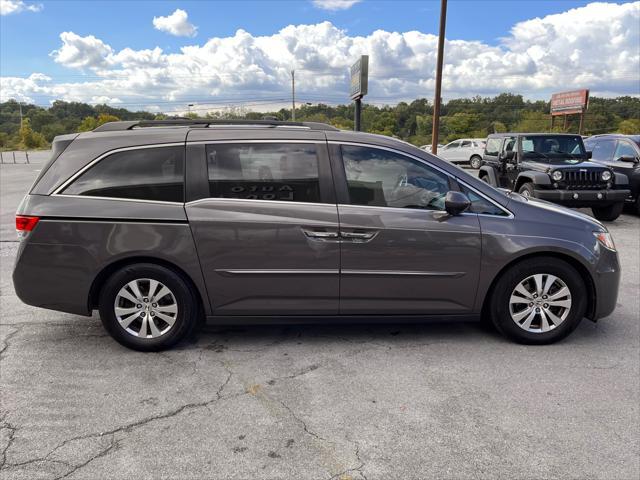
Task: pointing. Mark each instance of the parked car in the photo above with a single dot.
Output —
(427, 148)
(259, 221)
(554, 167)
(465, 151)
(622, 154)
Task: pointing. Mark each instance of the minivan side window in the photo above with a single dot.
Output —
(138, 174)
(381, 178)
(493, 146)
(268, 171)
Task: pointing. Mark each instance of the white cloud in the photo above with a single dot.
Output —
(334, 5)
(7, 7)
(176, 24)
(596, 47)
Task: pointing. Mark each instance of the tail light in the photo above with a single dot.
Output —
(24, 224)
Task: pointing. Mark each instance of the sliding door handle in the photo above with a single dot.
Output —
(320, 234)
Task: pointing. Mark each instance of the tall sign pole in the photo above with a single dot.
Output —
(359, 86)
(438, 98)
(293, 95)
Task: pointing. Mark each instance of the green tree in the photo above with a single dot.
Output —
(30, 139)
(630, 126)
(88, 124)
(533, 122)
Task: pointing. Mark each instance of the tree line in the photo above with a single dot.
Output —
(466, 117)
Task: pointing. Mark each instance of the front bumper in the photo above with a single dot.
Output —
(585, 198)
(606, 282)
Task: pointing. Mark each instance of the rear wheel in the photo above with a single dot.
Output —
(148, 307)
(476, 162)
(538, 301)
(526, 190)
(608, 214)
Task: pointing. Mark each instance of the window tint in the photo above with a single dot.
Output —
(144, 174)
(480, 205)
(493, 146)
(385, 179)
(466, 143)
(455, 144)
(603, 149)
(279, 172)
(624, 149)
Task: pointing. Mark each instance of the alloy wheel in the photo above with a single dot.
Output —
(540, 303)
(146, 308)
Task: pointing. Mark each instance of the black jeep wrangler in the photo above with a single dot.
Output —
(554, 167)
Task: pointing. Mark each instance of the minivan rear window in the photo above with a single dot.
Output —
(269, 171)
(140, 174)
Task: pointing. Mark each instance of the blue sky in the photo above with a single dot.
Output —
(128, 23)
(104, 51)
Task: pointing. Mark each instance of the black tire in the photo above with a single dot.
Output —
(526, 190)
(186, 318)
(501, 294)
(608, 214)
(475, 162)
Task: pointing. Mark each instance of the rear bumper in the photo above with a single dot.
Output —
(583, 198)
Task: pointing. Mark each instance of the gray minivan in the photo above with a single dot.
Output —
(159, 224)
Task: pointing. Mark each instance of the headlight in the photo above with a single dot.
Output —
(605, 239)
(557, 176)
(606, 175)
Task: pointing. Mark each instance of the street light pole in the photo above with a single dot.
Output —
(189, 107)
(437, 99)
(293, 95)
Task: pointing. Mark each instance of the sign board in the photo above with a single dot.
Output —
(567, 103)
(359, 77)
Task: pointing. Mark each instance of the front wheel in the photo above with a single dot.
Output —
(608, 214)
(526, 190)
(476, 162)
(148, 307)
(538, 301)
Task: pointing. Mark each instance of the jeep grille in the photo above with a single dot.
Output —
(591, 179)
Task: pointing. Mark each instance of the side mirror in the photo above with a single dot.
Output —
(456, 202)
(589, 154)
(509, 155)
(627, 159)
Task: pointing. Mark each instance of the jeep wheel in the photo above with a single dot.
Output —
(526, 190)
(538, 301)
(476, 162)
(608, 214)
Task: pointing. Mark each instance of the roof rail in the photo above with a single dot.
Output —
(204, 123)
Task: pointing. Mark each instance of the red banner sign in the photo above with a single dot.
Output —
(567, 103)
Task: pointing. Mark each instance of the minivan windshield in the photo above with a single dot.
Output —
(554, 148)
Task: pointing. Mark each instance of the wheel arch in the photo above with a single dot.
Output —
(582, 270)
(110, 269)
(537, 178)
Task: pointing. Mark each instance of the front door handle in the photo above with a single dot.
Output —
(359, 237)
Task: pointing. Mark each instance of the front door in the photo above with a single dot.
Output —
(401, 252)
(266, 227)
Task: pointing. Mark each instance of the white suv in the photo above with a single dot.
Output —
(464, 150)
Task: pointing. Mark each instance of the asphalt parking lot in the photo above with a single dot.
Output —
(316, 402)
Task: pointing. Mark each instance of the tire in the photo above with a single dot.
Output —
(526, 190)
(180, 307)
(608, 214)
(510, 318)
(475, 162)
(485, 179)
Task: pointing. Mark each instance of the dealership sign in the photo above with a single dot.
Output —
(359, 77)
(568, 103)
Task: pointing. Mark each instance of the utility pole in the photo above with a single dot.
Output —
(437, 99)
(293, 95)
(20, 105)
(189, 107)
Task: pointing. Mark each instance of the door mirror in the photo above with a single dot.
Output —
(627, 159)
(589, 154)
(509, 155)
(456, 202)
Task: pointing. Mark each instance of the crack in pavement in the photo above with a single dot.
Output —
(114, 444)
(12, 432)
(302, 422)
(8, 338)
(126, 429)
